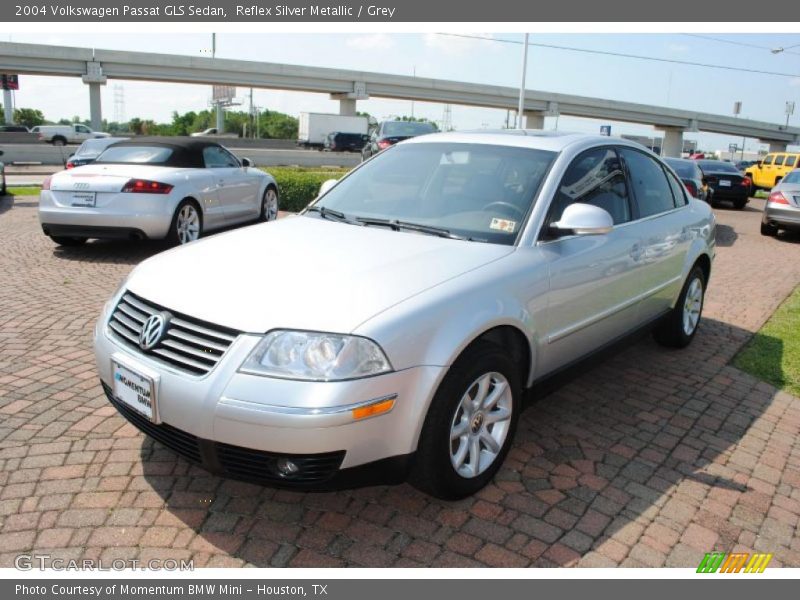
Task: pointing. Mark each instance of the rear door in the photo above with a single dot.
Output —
(660, 208)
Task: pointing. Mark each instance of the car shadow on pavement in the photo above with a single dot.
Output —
(650, 457)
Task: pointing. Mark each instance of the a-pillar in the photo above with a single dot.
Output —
(673, 142)
(533, 119)
(347, 107)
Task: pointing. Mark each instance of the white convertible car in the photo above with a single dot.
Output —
(154, 188)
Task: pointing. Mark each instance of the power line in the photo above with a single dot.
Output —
(624, 55)
(737, 43)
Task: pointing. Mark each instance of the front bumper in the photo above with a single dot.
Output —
(782, 215)
(115, 215)
(238, 425)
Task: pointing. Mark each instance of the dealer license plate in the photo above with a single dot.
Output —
(724, 183)
(85, 199)
(135, 390)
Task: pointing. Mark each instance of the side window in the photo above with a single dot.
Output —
(651, 190)
(678, 191)
(595, 177)
(81, 129)
(768, 159)
(779, 160)
(790, 160)
(215, 157)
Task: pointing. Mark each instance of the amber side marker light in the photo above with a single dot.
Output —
(372, 410)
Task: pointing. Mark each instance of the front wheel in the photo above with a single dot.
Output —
(187, 224)
(679, 327)
(470, 424)
(269, 205)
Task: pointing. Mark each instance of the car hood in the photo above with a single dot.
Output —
(303, 273)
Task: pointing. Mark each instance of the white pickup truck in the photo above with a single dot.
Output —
(61, 135)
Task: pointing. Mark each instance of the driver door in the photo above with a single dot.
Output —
(593, 279)
(234, 185)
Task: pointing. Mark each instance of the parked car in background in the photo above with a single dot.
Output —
(767, 173)
(726, 181)
(89, 150)
(61, 135)
(14, 129)
(3, 186)
(389, 133)
(742, 165)
(428, 289)
(174, 188)
(345, 142)
(692, 177)
(782, 210)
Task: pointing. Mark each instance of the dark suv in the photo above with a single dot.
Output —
(391, 132)
(338, 141)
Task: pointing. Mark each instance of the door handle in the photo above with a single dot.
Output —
(636, 252)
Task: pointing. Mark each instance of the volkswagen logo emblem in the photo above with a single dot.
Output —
(153, 330)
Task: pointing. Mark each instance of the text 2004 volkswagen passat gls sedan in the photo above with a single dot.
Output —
(389, 331)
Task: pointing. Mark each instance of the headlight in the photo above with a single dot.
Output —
(314, 356)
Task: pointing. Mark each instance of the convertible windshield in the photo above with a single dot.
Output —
(474, 191)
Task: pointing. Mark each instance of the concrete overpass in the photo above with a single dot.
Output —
(95, 66)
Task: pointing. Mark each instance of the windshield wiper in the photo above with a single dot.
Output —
(326, 212)
(397, 225)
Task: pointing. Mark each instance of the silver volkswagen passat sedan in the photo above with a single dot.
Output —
(782, 210)
(413, 304)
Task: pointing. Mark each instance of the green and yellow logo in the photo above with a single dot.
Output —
(735, 562)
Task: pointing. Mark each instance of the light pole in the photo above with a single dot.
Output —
(737, 109)
(521, 105)
(789, 112)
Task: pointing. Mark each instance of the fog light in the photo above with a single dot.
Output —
(286, 468)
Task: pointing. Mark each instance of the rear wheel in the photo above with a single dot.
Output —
(679, 326)
(740, 203)
(768, 229)
(59, 141)
(68, 241)
(269, 204)
(470, 424)
(187, 224)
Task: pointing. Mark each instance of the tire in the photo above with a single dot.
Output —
(268, 211)
(768, 229)
(185, 228)
(740, 203)
(59, 141)
(481, 370)
(678, 329)
(68, 241)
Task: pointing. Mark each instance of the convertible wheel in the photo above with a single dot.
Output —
(187, 224)
(679, 326)
(470, 424)
(269, 205)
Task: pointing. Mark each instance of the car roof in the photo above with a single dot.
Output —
(554, 141)
(187, 151)
(688, 161)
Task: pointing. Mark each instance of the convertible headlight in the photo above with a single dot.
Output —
(315, 356)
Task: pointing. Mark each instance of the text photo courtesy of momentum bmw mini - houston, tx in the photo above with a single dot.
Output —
(376, 298)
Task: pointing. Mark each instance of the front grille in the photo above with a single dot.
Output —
(179, 441)
(257, 465)
(188, 344)
(235, 462)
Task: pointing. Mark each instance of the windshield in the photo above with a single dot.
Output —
(793, 177)
(717, 166)
(135, 154)
(406, 128)
(684, 169)
(476, 191)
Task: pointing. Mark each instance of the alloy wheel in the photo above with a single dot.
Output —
(270, 207)
(188, 224)
(692, 305)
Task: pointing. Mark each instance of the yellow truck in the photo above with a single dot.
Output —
(766, 173)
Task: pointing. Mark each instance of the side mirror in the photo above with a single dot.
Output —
(758, 163)
(246, 162)
(585, 219)
(326, 186)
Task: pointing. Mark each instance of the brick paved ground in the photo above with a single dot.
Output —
(650, 458)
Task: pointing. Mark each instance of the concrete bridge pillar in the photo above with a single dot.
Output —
(533, 119)
(347, 107)
(777, 146)
(94, 78)
(8, 107)
(673, 142)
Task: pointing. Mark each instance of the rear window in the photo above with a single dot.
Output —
(792, 177)
(406, 128)
(684, 169)
(135, 155)
(717, 166)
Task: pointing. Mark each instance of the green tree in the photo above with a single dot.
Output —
(29, 117)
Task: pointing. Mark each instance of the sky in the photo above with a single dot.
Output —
(587, 73)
